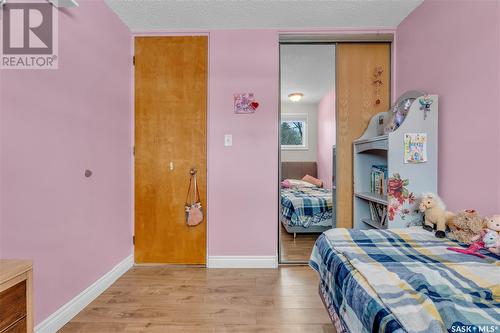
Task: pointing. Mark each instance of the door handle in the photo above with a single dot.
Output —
(171, 165)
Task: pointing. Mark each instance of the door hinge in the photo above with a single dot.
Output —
(133, 150)
(133, 240)
(133, 60)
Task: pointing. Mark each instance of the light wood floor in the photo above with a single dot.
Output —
(298, 249)
(179, 299)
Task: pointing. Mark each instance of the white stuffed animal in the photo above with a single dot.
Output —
(492, 232)
(435, 214)
(491, 239)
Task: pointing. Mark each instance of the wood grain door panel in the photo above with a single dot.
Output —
(170, 138)
(356, 96)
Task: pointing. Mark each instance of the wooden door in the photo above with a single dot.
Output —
(356, 104)
(170, 139)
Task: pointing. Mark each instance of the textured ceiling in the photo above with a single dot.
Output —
(309, 69)
(145, 15)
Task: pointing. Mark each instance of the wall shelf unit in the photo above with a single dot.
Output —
(397, 206)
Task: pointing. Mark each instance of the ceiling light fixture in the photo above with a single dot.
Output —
(295, 97)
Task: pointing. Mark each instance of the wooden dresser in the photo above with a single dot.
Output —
(16, 296)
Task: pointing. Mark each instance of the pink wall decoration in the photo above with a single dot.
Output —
(326, 137)
(452, 48)
(55, 124)
(245, 103)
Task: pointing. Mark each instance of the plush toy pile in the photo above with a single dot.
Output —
(480, 233)
(466, 226)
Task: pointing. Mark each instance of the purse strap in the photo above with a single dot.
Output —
(196, 193)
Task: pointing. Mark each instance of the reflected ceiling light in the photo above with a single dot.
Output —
(295, 97)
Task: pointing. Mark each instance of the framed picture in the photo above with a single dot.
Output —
(245, 103)
(415, 147)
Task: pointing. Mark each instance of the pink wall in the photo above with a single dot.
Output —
(326, 137)
(452, 48)
(243, 179)
(55, 124)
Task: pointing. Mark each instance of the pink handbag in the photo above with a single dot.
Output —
(194, 212)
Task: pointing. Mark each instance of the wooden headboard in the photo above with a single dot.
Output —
(297, 170)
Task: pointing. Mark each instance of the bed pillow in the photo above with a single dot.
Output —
(286, 184)
(299, 183)
(315, 181)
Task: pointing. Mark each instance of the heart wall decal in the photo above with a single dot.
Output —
(245, 103)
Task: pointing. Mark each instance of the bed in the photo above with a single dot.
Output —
(305, 209)
(405, 280)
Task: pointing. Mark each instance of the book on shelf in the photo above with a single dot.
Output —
(383, 219)
(373, 212)
(378, 213)
(378, 183)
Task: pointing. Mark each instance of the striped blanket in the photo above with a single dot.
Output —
(302, 206)
(405, 280)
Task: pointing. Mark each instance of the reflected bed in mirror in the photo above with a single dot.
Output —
(306, 210)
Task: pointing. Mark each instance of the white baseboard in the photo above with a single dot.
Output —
(242, 262)
(66, 312)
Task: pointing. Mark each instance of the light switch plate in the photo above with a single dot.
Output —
(228, 140)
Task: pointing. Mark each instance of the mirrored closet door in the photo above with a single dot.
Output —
(307, 147)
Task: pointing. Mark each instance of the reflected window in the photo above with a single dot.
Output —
(294, 131)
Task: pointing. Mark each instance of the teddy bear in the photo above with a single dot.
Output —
(434, 212)
(465, 226)
(490, 235)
